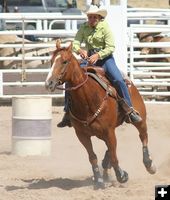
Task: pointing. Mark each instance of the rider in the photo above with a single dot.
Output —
(99, 44)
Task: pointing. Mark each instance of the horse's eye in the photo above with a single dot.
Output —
(65, 62)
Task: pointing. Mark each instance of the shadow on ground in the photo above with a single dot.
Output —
(62, 183)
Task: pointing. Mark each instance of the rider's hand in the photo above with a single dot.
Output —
(94, 58)
(83, 53)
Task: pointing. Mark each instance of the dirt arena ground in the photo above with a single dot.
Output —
(66, 174)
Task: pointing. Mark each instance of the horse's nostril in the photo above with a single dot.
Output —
(59, 82)
(48, 84)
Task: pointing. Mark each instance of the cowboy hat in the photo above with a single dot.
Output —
(93, 9)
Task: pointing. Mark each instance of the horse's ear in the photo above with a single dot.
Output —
(70, 46)
(138, 35)
(58, 42)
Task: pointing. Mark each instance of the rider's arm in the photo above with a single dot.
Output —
(109, 43)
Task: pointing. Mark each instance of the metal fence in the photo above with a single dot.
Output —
(152, 79)
(29, 80)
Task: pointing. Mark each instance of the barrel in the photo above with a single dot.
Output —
(31, 125)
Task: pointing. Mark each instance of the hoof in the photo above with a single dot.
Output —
(107, 177)
(99, 184)
(151, 169)
(123, 177)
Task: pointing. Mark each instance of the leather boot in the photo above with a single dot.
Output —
(132, 116)
(65, 121)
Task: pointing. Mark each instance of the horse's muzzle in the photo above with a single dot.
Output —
(51, 85)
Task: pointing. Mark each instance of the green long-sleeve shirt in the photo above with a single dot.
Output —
(100, 37)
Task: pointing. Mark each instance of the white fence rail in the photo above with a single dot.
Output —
(26, 81)
(148, 15)
(11, 83)
(152, 78)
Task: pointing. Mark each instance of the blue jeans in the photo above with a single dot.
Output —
(114, 75)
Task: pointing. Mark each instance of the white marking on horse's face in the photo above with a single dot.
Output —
(51, 79)
(51, 72)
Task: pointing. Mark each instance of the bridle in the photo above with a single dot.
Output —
(73, 87)
(63, 72)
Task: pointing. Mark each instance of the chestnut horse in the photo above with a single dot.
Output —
(154, 37)
(95, 113)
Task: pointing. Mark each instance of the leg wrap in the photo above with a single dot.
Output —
(146, 157)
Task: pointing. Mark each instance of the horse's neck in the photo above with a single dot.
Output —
(77, 74)
(86, 99)
(90, 94)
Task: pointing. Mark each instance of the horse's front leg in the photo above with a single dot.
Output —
(106, 164)
(111, 142)
(86, 141)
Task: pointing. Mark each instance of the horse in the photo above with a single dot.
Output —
(154, 37)
(94, 112)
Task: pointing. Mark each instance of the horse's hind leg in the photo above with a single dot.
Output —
(139, 105)
(86, 141)
(147, 160)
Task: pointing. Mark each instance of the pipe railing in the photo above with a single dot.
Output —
(136, 69)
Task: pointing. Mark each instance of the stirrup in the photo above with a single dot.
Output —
(133, 117)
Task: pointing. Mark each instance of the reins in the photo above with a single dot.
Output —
(74, 87)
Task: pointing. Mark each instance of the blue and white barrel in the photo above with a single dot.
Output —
(31, 125)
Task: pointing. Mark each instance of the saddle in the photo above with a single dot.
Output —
(98, 74)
